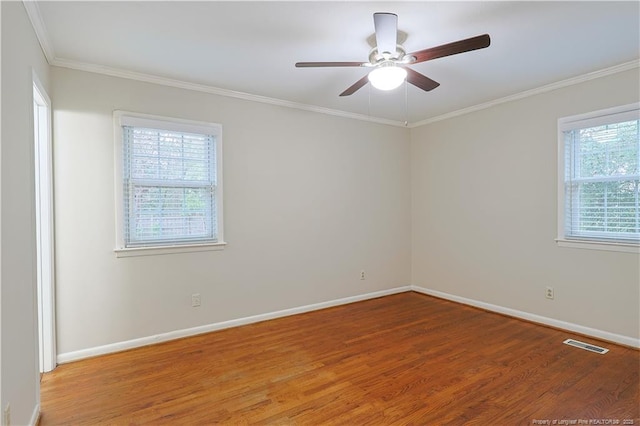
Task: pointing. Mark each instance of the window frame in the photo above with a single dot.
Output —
(122, 118)
(596, 118)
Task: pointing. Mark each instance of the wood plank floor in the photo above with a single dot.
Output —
(401, 359)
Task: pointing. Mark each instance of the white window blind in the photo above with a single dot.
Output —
(602, 177)
(169, 183)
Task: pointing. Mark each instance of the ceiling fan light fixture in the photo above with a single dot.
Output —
(387, 77)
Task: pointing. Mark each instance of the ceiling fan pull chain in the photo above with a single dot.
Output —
(406, 103)
(369, 105)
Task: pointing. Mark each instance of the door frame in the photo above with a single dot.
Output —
(43, 157)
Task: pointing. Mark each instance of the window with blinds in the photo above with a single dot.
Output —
(601, 158)
(169, 182)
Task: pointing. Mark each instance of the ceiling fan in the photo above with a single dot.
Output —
(388, 60)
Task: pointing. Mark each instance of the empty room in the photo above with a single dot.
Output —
(320, 212)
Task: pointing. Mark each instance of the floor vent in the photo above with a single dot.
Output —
(586, 346)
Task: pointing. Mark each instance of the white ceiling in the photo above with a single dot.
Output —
(251, 47)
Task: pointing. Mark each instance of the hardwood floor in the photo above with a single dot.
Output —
(401, 359)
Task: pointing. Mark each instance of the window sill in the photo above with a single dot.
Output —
(160, 250)
(599, 245)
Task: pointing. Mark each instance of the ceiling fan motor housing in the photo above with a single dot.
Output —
(376, 57)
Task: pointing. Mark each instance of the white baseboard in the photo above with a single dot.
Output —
(178, 334)
(35, 416)
(599, 334)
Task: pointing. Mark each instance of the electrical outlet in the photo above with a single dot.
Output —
(6, 415)
(362, 274)
(548, 293)
(195, 300)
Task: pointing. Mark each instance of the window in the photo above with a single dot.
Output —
(169, 191)
(599, 171)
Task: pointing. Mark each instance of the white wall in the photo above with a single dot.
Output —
(309, 201)
(484, 212)
(20, 53)
(312, 199)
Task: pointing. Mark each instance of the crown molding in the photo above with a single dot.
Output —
(149, 78)
(35, 17)
(626, 66)
(163, 81)
(33, 11)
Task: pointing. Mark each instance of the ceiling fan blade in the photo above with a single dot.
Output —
(355, 86)
(421, 81)
(386, 25)
(328, 64)
(460, 46)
